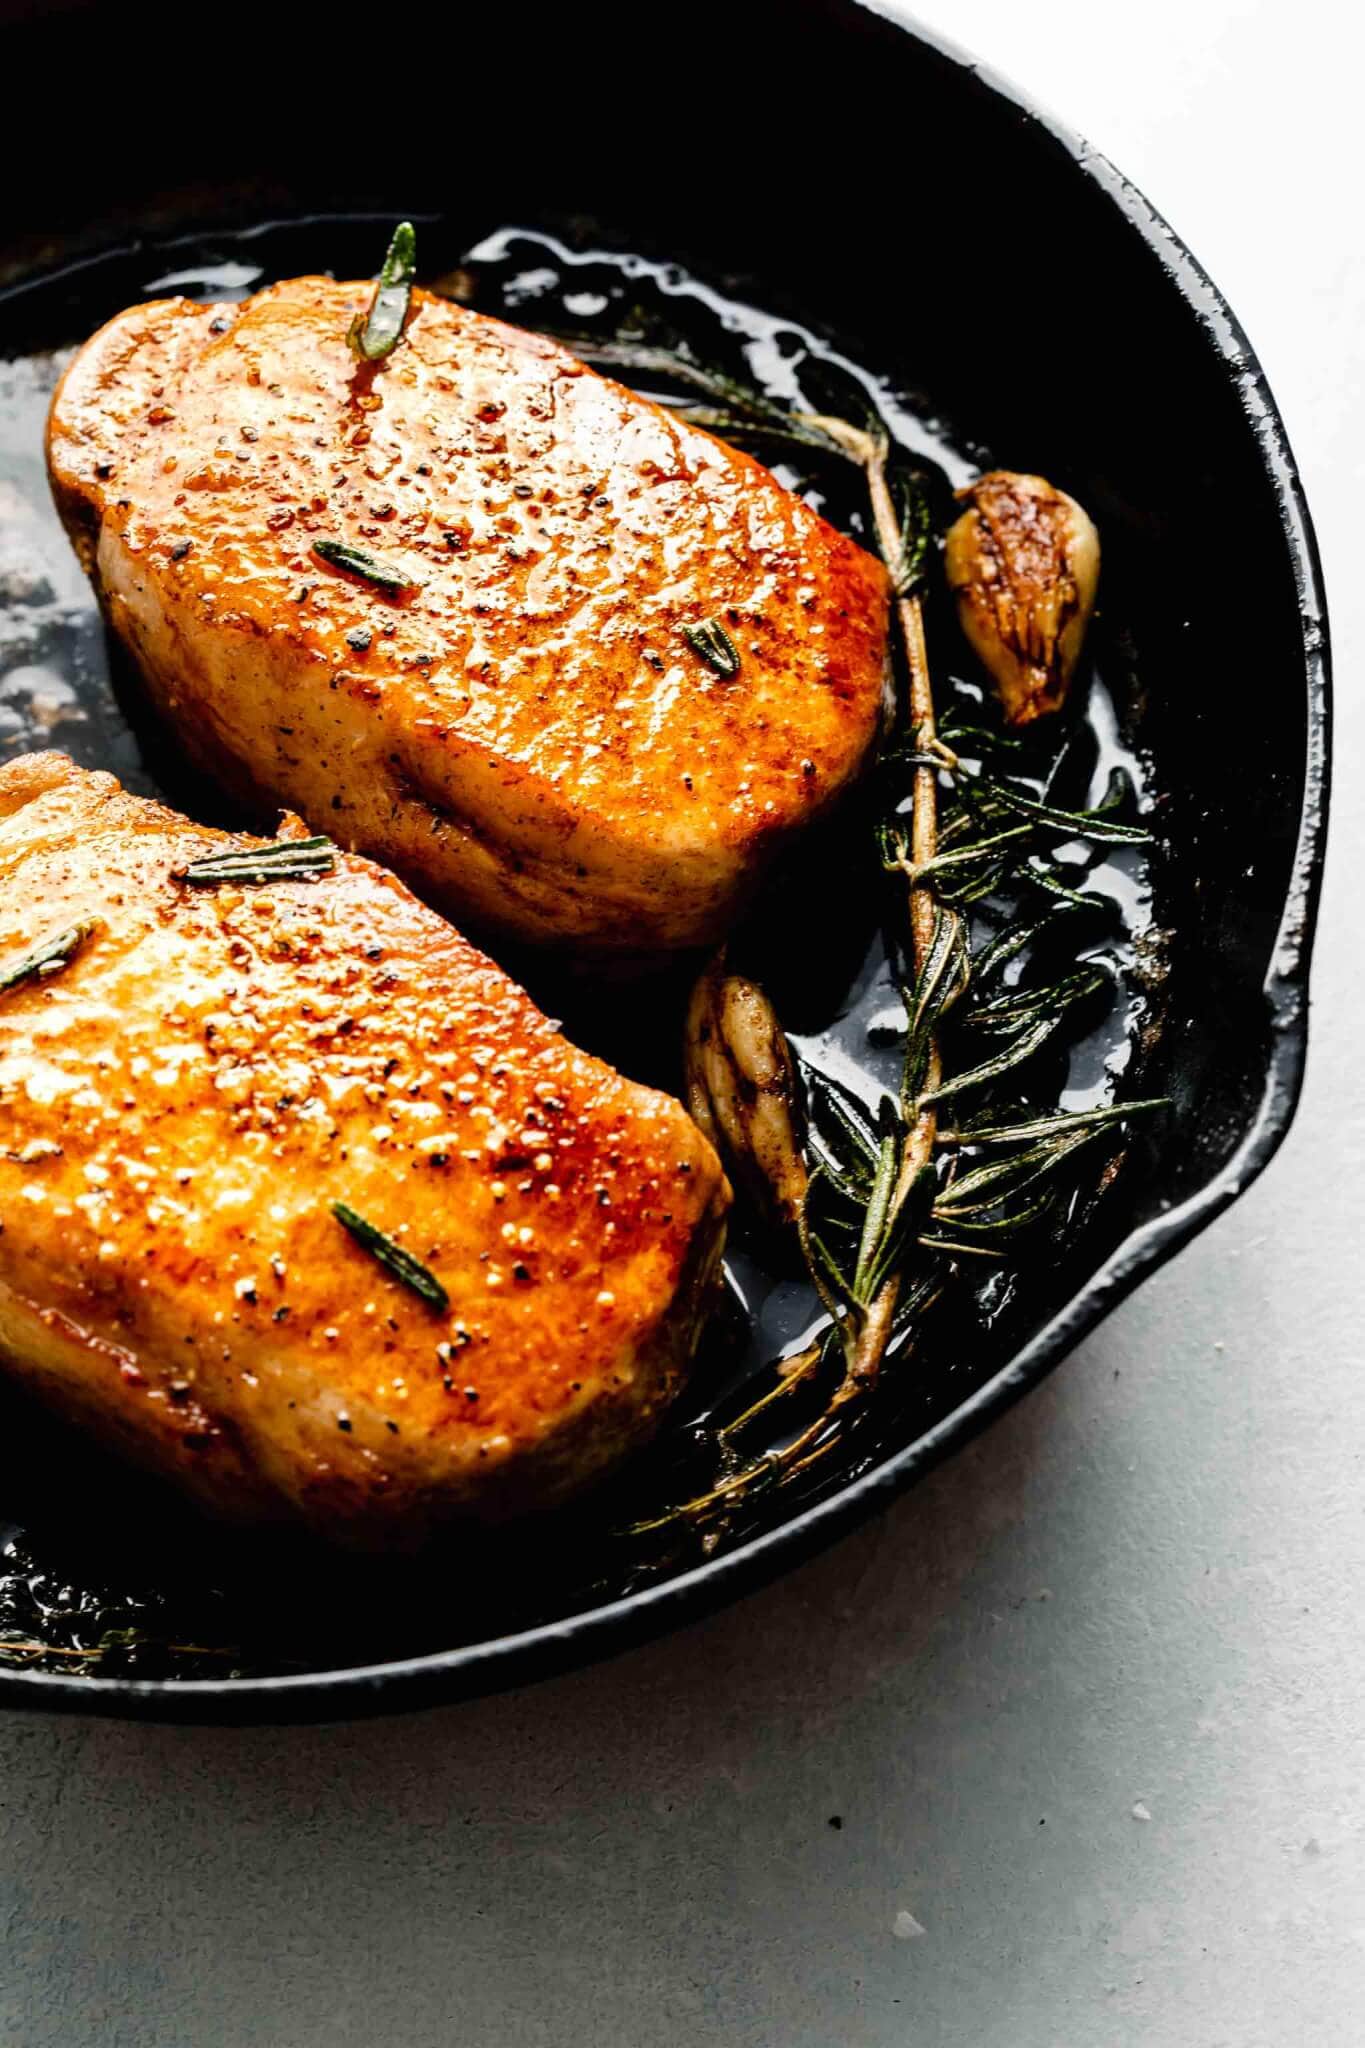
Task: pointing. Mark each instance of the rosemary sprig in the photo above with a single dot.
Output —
(374, 334)
(713, 644)
(283, 860)
(393, 1257)
(902, 535)
(891, 1208)
(50, 957)
(898, 1165)
(339, 554)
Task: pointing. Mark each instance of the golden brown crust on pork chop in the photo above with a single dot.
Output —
(212, 1068)
(525, 732)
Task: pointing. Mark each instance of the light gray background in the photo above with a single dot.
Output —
(1090, 1704)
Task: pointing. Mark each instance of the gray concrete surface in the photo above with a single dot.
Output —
(1089, 1707)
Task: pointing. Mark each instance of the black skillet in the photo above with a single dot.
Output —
(846, 173)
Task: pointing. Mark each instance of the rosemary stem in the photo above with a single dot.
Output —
(792, 1457)
(865, 1337)
(791, 1372)
(875, 1332)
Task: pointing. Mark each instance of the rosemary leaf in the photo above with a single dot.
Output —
(1064, 1122)
(1037, 872)
(1017, 1006)
(985, 1187)
(977, 885)
(49, 957)
(1016, 1052)
(392, 1257)
(951, 1249)
(970, 856)
(916, 536)
(888, 1256)
(339, 554)
(1079, 824)
(375, 333)
(711, 641)
(878, 1211)
(828, 1099)
(1016, 938)
(736, 410)
(826, 1271)
(849, 1177)
(842, 1145)
(993, 1229)
(943, 979)
(283, 860)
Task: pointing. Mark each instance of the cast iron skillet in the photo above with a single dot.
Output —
(854, 173)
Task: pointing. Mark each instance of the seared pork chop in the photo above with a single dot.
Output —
(304, 1203)
(535, 718)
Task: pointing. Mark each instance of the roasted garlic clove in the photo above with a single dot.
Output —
(742, 1089)
(1024, 560)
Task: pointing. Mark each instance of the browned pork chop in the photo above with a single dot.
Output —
(520, 725)
(205, 1071)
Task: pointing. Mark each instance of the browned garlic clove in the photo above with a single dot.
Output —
(742, 1089)
(1024, 560)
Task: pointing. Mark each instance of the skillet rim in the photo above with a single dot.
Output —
(500, 1663)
